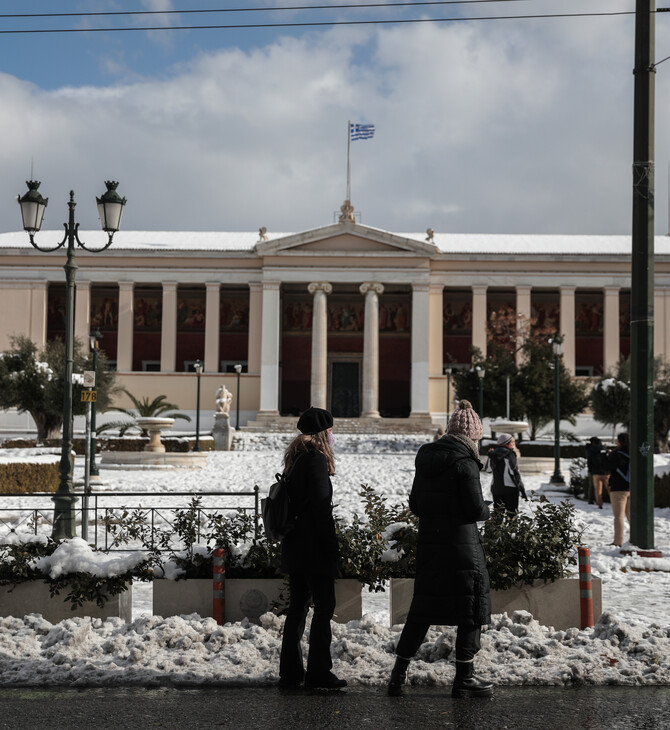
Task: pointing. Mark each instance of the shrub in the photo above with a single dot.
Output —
(522, 548)
(28, 478)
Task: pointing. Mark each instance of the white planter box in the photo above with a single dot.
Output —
(552, 604)
(245, 597)
(33, 597)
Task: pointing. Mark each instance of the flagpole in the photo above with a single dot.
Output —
(348, 160)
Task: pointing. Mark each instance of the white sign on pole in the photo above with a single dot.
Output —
(89, 378)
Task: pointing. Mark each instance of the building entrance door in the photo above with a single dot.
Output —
(345, 389)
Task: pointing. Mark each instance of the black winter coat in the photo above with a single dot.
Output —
(595, 459)
(618, 465)
(505, 471)
(452, 582)
(311, 547)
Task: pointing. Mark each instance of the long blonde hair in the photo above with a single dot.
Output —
(303, 443)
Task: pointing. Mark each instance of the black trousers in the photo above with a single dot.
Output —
(320, 589)
(414, 632)
(507, 496)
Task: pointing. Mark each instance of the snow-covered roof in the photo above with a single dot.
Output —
(476, 244)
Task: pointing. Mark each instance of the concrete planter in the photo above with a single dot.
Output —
(245, 598)
(552, 604)
(33, 597)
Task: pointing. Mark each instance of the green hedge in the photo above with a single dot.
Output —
(28, 478)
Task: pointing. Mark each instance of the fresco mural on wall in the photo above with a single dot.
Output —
(105, 308)
(233, 312)
(55, 309)
(457, 312)
(190, 310)
(545, 310)
(588, 314)
(624, 314)
(148, 309)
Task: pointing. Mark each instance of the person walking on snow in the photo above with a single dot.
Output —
(452, 582)
(506, 484)
(595, 463)
(618, 463)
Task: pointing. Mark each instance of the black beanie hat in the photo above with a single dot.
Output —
(314, 420)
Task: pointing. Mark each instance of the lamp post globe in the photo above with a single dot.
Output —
(33, 206)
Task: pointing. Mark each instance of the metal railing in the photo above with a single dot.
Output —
(102, 506)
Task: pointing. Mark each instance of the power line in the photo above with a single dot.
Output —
(242, 26)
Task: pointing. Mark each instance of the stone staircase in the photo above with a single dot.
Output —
(287, 424)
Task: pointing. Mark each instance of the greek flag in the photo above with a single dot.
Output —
(361, 131)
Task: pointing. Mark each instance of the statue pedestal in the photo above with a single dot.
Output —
(222, 432)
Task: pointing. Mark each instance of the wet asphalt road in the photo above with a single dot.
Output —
(517, 708)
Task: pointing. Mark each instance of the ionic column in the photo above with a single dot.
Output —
(567, 326)
(479, 318)
(212, 316)
(523, 314)
(420, 350)
(434, 332)
(319, 382)
(169, 327)
(82, 312)
(371, 290)
(255, 327)
(38, 312)
(610, 328)
(124, 345)
(270, 349)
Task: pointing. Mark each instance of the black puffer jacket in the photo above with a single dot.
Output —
(452, 583)
(311, 547)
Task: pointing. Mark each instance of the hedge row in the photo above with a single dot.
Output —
(173, 444)
(28, 478)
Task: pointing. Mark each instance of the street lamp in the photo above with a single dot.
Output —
(481, 372)
(198, 372)
(238, 370)
(93, 340)
(556, 345)
(447, 372)
(110, 209)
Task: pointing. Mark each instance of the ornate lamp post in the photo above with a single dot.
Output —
(447, 372)
(93, 340)
(198, 372)
(556, 346)
(481, 372)
(110, 209)
(238, 370)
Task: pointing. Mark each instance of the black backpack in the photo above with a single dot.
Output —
(278, 517)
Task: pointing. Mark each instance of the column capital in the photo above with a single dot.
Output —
(479, 288)
(170, 285)
(523, 288)
(271, 285)
(255, 286)
(323, 286)
(612, 289)
(126, 285)
(213, 285)
(371, 286)
(421, 287)
(566, 289)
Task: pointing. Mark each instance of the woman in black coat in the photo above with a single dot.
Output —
(310, 553)
(506, 482)
(452, 582)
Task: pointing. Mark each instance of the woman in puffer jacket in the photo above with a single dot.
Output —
(452, 582)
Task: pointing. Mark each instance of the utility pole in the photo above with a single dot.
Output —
(642, 282)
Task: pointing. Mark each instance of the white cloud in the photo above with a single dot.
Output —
(480, 127)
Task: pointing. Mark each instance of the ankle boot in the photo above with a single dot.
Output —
(467, 685)
(398, 675)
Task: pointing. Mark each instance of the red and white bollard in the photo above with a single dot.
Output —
(219, 576)
(585, 588)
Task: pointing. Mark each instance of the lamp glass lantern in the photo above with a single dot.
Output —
(110, 208)
(33, 206)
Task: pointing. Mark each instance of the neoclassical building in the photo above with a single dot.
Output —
(346, 316)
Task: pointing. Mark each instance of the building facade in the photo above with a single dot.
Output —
(348, 317)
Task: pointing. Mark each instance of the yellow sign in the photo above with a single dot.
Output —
(89, 396)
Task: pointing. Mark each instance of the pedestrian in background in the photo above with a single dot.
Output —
(310, 553)
(452, 583)
(506, 482)
(597, 469)
(618, 464)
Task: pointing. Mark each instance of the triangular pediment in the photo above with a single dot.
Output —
(344, 238)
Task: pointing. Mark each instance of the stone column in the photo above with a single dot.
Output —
(434, 332)
(479, 318)
(38, 312)
(82, 312)
(255, 327)
(124, 346)
(567, 326)
(420, 350)
(270, 349)
(371, 290)
(523, 316)
(212, 314)
(610, 328)
(169, 328)
(319, 383)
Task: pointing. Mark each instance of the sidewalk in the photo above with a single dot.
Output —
(360, 708)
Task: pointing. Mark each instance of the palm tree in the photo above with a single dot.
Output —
(144, 408)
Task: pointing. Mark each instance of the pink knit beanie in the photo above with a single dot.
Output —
(465, 421)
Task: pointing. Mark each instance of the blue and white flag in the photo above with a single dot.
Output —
(361, 131)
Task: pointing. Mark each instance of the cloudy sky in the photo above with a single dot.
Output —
(482, 125)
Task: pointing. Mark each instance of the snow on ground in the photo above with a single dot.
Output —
(630, 643)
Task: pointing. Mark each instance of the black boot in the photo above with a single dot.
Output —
(398, 674)
(467, 685)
